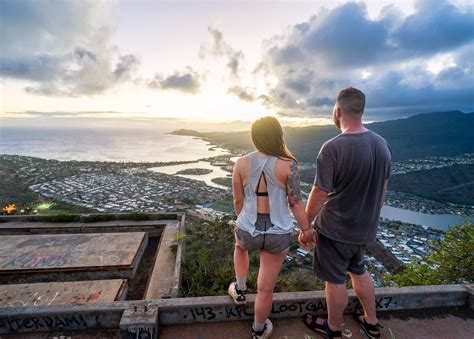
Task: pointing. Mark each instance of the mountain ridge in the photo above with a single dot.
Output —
(447, 133)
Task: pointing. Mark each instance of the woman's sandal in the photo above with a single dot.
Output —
(372, 331)
(321, 329)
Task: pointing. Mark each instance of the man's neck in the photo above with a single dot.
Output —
(353, 128)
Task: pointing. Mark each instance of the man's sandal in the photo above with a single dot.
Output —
(372, 331)
(322, 329)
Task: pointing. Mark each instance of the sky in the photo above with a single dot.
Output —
(71, 61)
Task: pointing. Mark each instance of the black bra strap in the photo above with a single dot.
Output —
(261, 194)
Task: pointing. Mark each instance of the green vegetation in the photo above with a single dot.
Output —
(452, 184)
(57, 206)
(13, 189)
(96, 217)
(61, 217)
(136, 216)
(208, 263)
(451, 262)
(223, 181)
(195, 171)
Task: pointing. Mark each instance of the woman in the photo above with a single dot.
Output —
(265, 186)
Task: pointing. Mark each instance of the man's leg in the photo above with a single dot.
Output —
(330, 265)
(365, 291)
(336, 300)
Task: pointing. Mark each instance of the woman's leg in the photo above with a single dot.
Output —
(270, 265)
(241, 263)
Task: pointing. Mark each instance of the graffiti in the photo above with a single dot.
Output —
(141, 331)
(48, 298)
(55, 241)
(284, 309)
(40, 259)
(205, 312)
(236, 312)
(382, 303)
(43, 323)
(67, 250)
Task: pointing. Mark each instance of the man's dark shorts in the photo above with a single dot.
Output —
(333, 259)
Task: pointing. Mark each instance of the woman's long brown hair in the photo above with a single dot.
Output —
(267, 136)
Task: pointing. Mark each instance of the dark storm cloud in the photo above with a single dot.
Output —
(187, 81)
(437, 26)
(386, 57)
(346, 37)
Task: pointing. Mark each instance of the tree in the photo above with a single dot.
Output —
(452, 261)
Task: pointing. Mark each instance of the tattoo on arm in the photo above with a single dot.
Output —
(293, 184)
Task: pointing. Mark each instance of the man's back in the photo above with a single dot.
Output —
(353, 168)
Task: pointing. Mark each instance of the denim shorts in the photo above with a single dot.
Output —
(333, 259)
(273, 243)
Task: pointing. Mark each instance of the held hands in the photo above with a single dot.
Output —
(307, 238)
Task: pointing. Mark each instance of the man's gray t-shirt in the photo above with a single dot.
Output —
(352, 168)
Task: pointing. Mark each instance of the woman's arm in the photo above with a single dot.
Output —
(295, 200)
(237, 188)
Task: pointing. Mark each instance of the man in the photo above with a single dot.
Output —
(348, 193)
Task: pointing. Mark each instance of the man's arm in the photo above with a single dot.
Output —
(237, 188)
(384, 192)
(316, 200)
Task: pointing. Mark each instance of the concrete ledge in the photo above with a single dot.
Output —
(286, 305)
(165, 278)
(470, 301)
(213, 309)
(179, 258)
(84, 217)
(153, 227)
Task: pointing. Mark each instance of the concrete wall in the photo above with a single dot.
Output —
(84, 217)
(140, 315)
(165, 279)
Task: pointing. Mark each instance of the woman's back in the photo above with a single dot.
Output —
(264, 181)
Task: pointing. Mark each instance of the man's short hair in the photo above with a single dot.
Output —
(352, 101)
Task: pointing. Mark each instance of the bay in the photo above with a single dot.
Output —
(96, 144)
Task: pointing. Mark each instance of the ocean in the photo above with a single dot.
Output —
(99, 144)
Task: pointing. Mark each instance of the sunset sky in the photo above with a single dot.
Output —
(228, 60)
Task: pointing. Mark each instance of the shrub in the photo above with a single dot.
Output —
(99, 217)
(451, 262)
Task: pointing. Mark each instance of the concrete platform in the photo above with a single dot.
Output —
(152, 227)
(30, 255)
(162, 280)
(62, 293)
(415, 324)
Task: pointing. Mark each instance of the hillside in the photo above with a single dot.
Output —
(17, 191)
(429, 134)
(451, 184)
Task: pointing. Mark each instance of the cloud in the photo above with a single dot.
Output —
(220, 48)
(63, 48)
(187, 81)
(436, 26)
(387, 57)
(242, 93)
